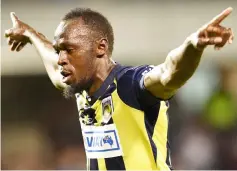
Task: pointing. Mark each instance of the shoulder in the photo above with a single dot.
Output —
(133, 72)
(128, 84)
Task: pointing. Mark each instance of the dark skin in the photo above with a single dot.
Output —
(83, 55)
(87, 64)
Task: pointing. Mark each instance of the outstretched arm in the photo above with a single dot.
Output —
(164, 80)
(21, 34)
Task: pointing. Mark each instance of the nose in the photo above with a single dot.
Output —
(62, 60)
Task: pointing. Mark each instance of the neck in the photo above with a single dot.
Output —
(104, 67)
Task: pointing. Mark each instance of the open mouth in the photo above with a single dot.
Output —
(66, 75)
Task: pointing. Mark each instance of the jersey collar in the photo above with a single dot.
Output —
(108, 81)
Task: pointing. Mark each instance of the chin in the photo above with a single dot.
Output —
(69, 81)
(70, 91)
(76, 87)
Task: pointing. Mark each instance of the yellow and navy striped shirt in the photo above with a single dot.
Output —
(124, 127)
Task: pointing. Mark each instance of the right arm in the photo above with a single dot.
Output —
(48, 56)
(21, 34)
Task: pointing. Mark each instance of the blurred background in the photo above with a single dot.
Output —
(40, 129)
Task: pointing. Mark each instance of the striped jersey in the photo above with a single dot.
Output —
(124, 126)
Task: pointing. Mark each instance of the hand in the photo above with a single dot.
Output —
(214, 34)
(16, 38)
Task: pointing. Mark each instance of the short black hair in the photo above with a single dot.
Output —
(96, 20)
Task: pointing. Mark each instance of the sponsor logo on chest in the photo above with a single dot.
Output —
(101, 141)
(98, 141)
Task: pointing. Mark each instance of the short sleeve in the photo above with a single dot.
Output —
(132, 84)
(145, 98)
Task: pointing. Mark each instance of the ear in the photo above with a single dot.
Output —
(102, 47)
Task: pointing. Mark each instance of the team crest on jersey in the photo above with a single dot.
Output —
(101, 141)
(107, 109)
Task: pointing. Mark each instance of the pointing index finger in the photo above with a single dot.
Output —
(14, 18)
(219, 18)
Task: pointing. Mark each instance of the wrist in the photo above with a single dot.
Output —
(193, 40)
(33, 35)
(29, 32)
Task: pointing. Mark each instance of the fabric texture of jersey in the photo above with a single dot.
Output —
(140, 122)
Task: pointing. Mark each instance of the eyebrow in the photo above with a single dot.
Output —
(63, 45)
(59, 43)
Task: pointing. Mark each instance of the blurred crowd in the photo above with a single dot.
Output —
(40, 129)
(207, 136)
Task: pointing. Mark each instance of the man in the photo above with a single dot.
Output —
(122, 110)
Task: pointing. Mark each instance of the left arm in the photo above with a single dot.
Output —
(180, 64)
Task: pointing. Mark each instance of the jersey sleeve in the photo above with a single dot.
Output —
(145, 98)
(134, 91)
